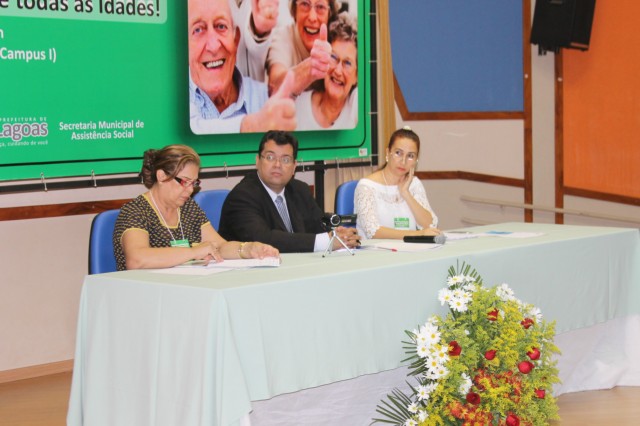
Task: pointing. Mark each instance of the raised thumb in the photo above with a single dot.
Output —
(323, 32)
(286, 89)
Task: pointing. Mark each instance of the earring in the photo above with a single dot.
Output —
(387, 158)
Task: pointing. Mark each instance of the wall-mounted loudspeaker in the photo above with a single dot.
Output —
(562, 23)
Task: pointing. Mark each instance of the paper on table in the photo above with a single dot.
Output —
(233, 263)
(459, 235)
(198, 267)
(402, 246)
(190, 271)
(506, 234)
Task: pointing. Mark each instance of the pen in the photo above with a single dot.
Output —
(387, 248)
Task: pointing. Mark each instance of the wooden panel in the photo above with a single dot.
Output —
(58, 210)
(36, 371)
(602, 105)
(475, 177)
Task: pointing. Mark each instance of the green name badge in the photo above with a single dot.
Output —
(180, 243)
(401, 222)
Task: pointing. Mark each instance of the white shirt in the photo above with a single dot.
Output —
(382, 205)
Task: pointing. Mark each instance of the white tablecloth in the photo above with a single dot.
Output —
(157, 349)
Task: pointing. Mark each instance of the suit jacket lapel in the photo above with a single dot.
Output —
(297, 220)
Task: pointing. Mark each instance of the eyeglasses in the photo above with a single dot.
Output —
(346, 63)
(285, 159)
(322, 9)
(186, 183)
(410, 157)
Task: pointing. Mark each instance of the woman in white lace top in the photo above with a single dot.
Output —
(392, 202)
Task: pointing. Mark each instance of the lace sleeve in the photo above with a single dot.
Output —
(419, 193)
(365, 208)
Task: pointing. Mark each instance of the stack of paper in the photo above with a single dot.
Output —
(233, 263)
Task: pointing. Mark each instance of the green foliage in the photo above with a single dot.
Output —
(489, 358)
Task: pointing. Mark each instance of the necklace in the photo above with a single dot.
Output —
(395, 198)
(164, 222)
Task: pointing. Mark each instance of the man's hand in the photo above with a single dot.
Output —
(348, 235)
(264, 16)
(320, 55)
(278, 113)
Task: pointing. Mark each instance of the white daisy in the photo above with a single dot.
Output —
(444, 296)
(431, 387)
(442, 354)
(422, 416)
(472, 287)
(455, 280)
(423, 350)
(536, 312)
(504, 292)
(428, 334)
(437, 374)
(422, 393)
(466, 384)
(410, 422)
(413, 408)
(458, 293)
(432, 363)
(458, 305)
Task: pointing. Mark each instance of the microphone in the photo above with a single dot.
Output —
(431, 239)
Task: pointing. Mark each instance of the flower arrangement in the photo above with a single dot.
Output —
(488, 362)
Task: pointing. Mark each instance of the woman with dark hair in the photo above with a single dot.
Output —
(164, 227)
(333, 101)
(391, 202)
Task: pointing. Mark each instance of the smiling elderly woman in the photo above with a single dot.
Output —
(164, 227)
(333, 102)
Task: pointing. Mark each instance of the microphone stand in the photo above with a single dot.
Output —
(335, 237)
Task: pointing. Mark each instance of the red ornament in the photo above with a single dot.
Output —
(512, 420)
(454, 348)
(490, 354)
(527, 322)
(493, 315)
(525, 367)
(534, 354)
(540, 393)
(473, 398)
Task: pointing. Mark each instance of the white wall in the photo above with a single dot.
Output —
(43, 261)
(43, 264)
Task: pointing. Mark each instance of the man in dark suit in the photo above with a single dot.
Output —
(272, 207)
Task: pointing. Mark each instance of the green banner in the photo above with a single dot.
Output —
(87, 86)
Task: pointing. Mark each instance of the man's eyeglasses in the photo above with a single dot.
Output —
(399, 155)
(346, 63)
(186, 183)
(285, 159)
(322, 9)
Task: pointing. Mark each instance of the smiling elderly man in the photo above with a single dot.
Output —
(221, 99)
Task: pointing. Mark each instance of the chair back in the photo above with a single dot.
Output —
(101, 257)
(211, 202)
(344, 197)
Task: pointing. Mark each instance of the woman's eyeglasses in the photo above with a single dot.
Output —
(186, 183)
(346, 63)
(322, 9)
(399, 155)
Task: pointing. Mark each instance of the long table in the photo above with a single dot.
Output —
(164, 349)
